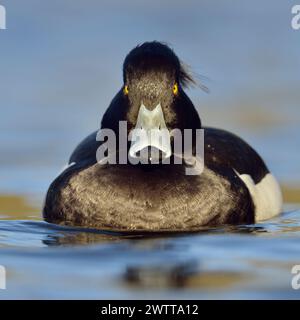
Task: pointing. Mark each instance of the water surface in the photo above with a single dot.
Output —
(47, 261)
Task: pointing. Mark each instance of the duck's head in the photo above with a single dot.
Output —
(152, 96)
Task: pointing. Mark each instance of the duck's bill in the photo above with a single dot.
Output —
(150, 139)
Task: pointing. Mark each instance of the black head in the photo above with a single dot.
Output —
(152, 101)
(152, 75)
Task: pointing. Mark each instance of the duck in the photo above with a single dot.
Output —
(233, 187)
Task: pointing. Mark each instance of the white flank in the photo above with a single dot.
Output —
(266, 195)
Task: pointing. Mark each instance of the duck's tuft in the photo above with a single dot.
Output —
(152, 53)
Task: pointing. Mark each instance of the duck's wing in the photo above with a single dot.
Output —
(226, 151)
(85, 152)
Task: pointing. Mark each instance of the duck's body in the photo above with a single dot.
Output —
(127, 197)
(235, 187)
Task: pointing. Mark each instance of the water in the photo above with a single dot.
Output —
(48, 261)
(60, 65)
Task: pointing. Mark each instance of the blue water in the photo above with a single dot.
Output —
(48, 262)
(60, 66)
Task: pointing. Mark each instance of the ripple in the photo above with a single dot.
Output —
(45, 260)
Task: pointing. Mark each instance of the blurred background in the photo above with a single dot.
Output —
(60, 66)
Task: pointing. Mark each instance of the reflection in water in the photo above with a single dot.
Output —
(161, 276)
(84, 238)
(81, 236)
(186, 275)
(47, 260)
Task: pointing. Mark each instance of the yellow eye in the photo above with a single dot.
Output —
(175, 89)
(126, 90)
